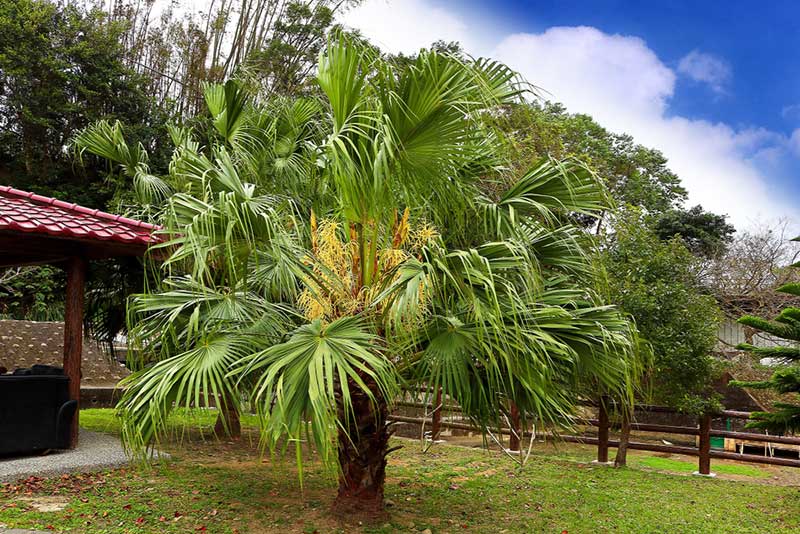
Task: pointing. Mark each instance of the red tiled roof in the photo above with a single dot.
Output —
(28, 212)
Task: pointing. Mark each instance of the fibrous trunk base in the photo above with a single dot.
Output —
(362, 454)
(228, 423)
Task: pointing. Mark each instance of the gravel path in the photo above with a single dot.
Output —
(95, 452)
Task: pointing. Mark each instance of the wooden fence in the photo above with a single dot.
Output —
(701, 434)
(703, 431)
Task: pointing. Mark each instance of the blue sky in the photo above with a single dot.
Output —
(714, 85)
(758, 41)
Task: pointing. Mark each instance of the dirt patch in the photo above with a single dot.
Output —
(45, 503)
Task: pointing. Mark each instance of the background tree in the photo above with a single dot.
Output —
(60, 70)
(285, 62)
(274, 41)
(634, 174)
(785, 418)
(704, 234)
(745, 276)
(657, 283)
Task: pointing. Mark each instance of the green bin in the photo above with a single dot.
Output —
(718, 442)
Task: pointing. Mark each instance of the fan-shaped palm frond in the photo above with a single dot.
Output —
(553, 187)
(192, 378)
(309, 378)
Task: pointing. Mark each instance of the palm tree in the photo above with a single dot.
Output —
(324, 255)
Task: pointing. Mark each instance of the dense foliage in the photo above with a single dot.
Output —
(61, 69)
(657, 283)
(36, 293)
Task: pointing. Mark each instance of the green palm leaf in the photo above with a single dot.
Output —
(310, 377)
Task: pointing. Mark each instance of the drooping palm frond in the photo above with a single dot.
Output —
(107, 141)
(193, 378)
(186, 311)
(549, 188)
(226, 228)
(494, 328)
(309, 377)
(183, 342)
(560, 250)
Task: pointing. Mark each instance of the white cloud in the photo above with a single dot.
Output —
(626, 87)
(408, 25)
(706, 68)
(792, 111)
(586, 69)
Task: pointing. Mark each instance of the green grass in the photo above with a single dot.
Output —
(106, 420)
(228, 488)
(686, 466)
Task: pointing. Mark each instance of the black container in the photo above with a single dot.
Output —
(35, 413)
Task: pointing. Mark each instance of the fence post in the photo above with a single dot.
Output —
(704, 450)
(602, 432)
(436, 423)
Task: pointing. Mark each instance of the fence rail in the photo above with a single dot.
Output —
(702, 433)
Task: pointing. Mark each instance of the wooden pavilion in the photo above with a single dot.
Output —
(38, 230)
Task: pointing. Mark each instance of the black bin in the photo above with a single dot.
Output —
(35, 411)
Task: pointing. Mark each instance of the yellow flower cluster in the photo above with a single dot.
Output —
(334, 288)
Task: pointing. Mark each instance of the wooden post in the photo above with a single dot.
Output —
(436, 416)
(621, 459)
(602, 432)
(73, 335)
(704, 450)
(516, 430)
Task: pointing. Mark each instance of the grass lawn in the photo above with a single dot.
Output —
(223, 487)
(690, 466)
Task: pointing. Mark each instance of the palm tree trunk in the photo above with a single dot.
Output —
(362, 453)
(228, 423)
(436, 416)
